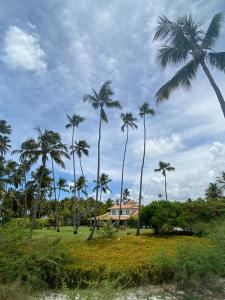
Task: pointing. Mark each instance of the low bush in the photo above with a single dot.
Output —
(108, 230)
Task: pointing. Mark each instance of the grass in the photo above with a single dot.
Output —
(124, 252)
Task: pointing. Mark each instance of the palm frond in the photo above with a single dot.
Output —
(217, 60)
(104, 116)
(212, 32)
(170, 55)
(182, 78)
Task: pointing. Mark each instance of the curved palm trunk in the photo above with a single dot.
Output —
(165, 187)
(75, 225)
(55, 198)
(34, 216)
(98, 174)
(215, 87)
(82, 172)
(122, 175)
(141, 180)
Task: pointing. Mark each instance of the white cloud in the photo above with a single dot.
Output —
(22, 50)
(160, 146)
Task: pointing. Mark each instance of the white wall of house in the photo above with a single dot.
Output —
(124, 211)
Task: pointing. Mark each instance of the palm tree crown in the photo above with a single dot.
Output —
(163, 167)
(184, 38)
(81, 147)
(74, 121)
(145, 109)
(102, 98)
(128, 121)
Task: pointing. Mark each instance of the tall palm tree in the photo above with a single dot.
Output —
(74, 121)
(126, 194)
(81, 147)
(58, 152)
(128, 122)
(185, 38)
(26, 165)
(164, 167)
(99, 100)
(144, 110)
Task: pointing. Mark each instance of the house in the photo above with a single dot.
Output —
(127, 210)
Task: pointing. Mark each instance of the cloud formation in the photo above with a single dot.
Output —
(22, 50)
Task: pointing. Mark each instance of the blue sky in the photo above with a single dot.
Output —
(53, 52)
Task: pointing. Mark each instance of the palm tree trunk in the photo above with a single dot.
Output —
(54, 187)
(75, 225)
(37, 201)
(215, 87)
(82, 172)
(25, 195)
(165, 186)
(98, 174)
(121, 188)
(141, 180)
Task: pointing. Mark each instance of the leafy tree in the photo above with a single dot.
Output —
(185, 38)
(144, 110)
(164, 167)
(213, 192)
(74, 121)
(99, 101)
(126, 194)
(81, 186)
(128, 122)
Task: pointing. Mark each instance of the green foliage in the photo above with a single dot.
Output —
(34, 263)
(108, 230)
(163, 216)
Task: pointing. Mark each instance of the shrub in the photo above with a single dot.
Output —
(108, 230)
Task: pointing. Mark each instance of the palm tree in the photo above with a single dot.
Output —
(99, 100)
(5, 131)
(164, 167)
(185, 38)
(213, 192)
(81, 147)
(221, 180)
(81, 185)
(62, 186)
(104, 181)
(143, 111)
(58, 152)
(128, 122)
(42, 148)
(74, 121)
(126, 194)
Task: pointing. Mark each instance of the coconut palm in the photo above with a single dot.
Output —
(42, 149)
(126, 194)
(104, 181)
(213, 192)
(81, 186)
(164, 167)
(5, 131)
(81, 147)
(74, 121)
(99, 101)
(144, 110)
(62, 186)
(184, 38)
(128, 122)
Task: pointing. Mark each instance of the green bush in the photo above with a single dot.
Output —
(108, 230)
(34, 263)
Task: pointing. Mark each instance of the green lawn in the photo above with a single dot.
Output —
(120, 253)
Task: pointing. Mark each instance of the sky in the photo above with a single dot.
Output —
(53, 52)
